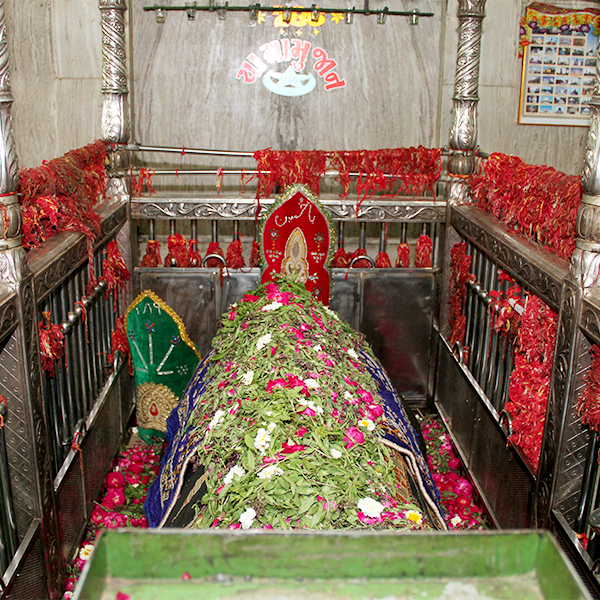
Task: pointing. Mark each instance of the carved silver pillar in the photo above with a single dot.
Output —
(115, 125)
(463, 131)
(562, 460)
(30, 469)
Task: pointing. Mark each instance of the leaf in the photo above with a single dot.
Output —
(305, 504)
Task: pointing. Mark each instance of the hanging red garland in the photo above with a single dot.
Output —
(137, 185)
(254, 255)
(589, 401)
(235, 257)
(178, 254)
(60, 196)
(382, 261)
(152, 256)
(361, 263)
(392, 171)
(118, 337)
(341, 259)
(403, 255)
(536, 200)
(530, 380)
(214, 248)
(424, 252)
(114, 270)
(460, 265)
(194, 258)
(52, 343)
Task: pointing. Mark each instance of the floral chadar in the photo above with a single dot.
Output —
(297, 241)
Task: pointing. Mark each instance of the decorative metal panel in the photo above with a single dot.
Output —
(244, 208)
(540, 270)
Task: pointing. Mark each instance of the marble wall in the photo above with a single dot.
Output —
(184, 91)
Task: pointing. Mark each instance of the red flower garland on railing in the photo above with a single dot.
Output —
(235, 257)
(152, 256)
(114, 271)
(460, 265)
(424, 252)
(403, 255)
(178, 252)
(530, 380)
(52, 343)
(392, 171)
(589, 401)
(536, 200)
(61, 193)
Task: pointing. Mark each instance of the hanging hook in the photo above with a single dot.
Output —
(350, 16)
(160, 15)
(382, 16)
(222, 11)
(414, 18)
(254, 12)
(190, 10)
(287, 15)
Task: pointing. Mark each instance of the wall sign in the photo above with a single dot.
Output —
(292, 66)
(559, 65)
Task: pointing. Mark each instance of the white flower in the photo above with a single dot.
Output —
(310, 404)
(247, 377)
(273, 306)
(331, 313)
(336, 453)
(134, 430)
(247, 518)
(312, 384)
(216, 420)
(235, 470)
(347, 395)
(269, 472)
(370, 507)
(352, 353)
(263, 341)
(271, 427)
(262, 440)
(86, 551)
(456, 520)
(414, 516)
(317, 348)
(367, 423)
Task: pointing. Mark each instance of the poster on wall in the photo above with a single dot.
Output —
(559, 49)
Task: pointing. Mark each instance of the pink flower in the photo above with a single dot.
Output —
(273, 293)
(364, 396)
(235, 526)
(114, 520)
(115, 480)
(97, 516)
(353, 436)
(349, 381)
(122, 596)
(114, 497)
(232, 315)
(186, 576)
(373, 411)
(301, 431)
(249, 298)
(289, 447)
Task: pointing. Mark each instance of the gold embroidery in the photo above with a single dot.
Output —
(155, 402)
(294, 264)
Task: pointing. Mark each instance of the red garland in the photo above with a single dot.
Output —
(178, 254)
(137, 185)
(235, 258)
(60, 196)
(152, 256)
(194, 258)
(536, 200)
(589, 401)
(460, 265)
(254, 255)
(52, 343)
(424, 252)
(118, 338)
(403, 255)
(530, 380)
(341, 259)
(382, 261)
(392, 171)
(214, 248)
(361, 263)
(114, 270)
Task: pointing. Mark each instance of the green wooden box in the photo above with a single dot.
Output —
(182, 565)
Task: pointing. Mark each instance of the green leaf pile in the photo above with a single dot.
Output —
(289, 443)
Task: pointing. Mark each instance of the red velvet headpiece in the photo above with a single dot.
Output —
(297, 240)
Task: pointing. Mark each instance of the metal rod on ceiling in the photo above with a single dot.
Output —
(254, 9)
